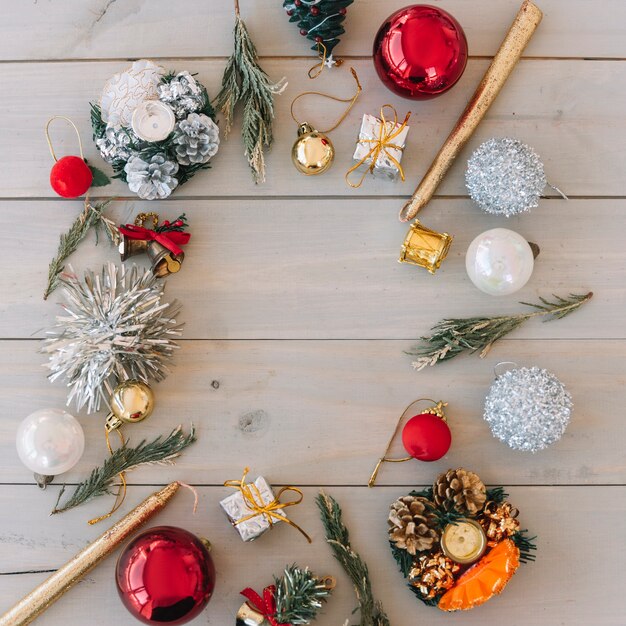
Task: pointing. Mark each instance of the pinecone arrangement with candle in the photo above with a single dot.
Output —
(460, 490)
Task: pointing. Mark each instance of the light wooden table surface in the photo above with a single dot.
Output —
(297, 313)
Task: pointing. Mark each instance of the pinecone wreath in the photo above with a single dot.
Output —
(432, 574)
(460, 490)
(196, 139)
(412, 524)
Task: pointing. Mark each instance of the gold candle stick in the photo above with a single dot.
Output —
(38, 600)
(506, 58)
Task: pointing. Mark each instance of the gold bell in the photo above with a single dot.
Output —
(131, 401)
(163, 261)
(313, 152)
(249, 616)
(130, 247)
(425, 247)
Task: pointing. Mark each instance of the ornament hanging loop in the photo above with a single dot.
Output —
(436, 409)
(67, 119)
(498, 372)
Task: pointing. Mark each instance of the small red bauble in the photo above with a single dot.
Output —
(70, 177)
(426, 437)
(315, 11)
(165, 574)
(304, 32)
(342, 11)
(420, 52)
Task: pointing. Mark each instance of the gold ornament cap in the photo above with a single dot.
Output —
(425, 247)
(131, 401)
(313, 152)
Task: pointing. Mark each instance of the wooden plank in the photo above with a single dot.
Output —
(321, 412)
(299, 269)
(576, 132)
(94, 29)
(538, 594)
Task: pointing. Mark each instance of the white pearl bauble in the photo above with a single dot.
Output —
(50, 442)
(499, 261)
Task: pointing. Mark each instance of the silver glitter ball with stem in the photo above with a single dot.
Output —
(528, 408)
(505, 177)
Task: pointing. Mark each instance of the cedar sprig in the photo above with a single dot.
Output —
(299, 596)
(337, 536)
(526, 545)
(245, 81)
(92, 216)
(451, 337)
(124, 459)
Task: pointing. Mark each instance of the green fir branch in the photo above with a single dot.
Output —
(90, 217)
(497, 495)
(245, 81)
(299, 596)
(451, 337)
(124, 459)
(526, 545)
(402, 558)
(337, 536)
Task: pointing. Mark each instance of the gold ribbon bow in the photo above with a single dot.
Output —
(254, 501)
(389, 130)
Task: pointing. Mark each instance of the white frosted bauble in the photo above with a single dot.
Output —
(499, 261)
(50, 442)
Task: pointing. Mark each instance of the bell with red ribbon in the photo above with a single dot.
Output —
(162, 243)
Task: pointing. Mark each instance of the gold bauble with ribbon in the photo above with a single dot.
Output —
(313, 152)
(131, 402)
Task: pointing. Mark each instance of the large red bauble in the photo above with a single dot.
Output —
(70, 177)
(420, 52)
(426, 437)
(165, 574)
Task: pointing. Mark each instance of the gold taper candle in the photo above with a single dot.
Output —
(506, 58)
(38, 600)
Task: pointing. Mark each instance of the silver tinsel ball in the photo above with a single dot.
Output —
(505, 177)
(528, 408)
(183, 93)
(115, 327)
(196, 139)
(151, 178)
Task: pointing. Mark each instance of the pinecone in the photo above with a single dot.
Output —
(433, 574)
(196, 139)
(114, 145)
(460, 490)
(499, 521)
(152, 178)
(183, 94)
(412, 524)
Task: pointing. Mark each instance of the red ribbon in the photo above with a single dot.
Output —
(170, 240)
(265, 605)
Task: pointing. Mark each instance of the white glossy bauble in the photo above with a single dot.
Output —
(50, 442)
(499, 261)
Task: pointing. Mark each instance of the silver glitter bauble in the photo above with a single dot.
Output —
(196, 139)
(505, 177)
(528, 408)
(151, 178)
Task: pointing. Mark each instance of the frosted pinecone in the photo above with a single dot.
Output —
(183, 94)
(196, 139)
(153, 178)
(114, 145)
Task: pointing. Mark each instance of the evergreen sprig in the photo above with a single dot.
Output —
(337, 536)
(525, 544)
(451, 337)
(125, 459)
(299, 596)
(245, 81)
(90, 217)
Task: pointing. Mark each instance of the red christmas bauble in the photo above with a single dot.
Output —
(420, 52)
(165, 574)
(70, 177)
(426, 437)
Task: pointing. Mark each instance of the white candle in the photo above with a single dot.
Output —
(464, 541)
(153, 120)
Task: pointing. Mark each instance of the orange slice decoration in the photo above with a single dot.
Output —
(482, 581)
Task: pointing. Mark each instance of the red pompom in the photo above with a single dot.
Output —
(70, 177)
(165, 574)
(426, 437)
(420, 52)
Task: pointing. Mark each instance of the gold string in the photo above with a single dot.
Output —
(322, 53)
(438, 406)
(388, 131)
(254, 501)
(67, 119)
(351, 100)
(121, 494)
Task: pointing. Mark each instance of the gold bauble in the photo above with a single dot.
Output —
(132, 401)
(313, 152)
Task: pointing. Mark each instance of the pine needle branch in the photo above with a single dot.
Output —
(125, 459)
(245, 81)
(337, 536)
(299, 596)
(451, 337)
(90, 217)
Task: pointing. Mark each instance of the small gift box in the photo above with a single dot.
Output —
(380, 146)
(254, 508)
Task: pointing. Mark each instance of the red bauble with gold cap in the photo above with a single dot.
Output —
(426, 437)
